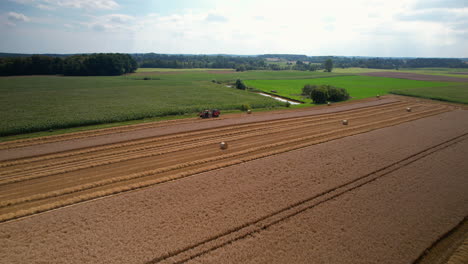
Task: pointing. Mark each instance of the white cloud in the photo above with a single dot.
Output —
(312, 27)
(423, 4)
(23, 1)
(119, 18)
(216, 18)
(17, 17)
(435, 15)
(85, 4)
(362, 27)
(45, 7)
(111, 23)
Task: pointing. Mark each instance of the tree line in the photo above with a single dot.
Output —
(100, 64)
(117, 64)
(240, 63)
(396, 63)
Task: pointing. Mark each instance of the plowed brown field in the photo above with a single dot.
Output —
(194, 218)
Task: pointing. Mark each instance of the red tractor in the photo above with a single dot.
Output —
(210, 113)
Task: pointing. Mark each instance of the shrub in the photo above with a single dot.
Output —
(337, 94)
(240, 84)
(323, 93)
(245, 107)
(307, 89)
(319, 95)
(288, 104)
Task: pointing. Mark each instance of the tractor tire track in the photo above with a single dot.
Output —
(248, 229)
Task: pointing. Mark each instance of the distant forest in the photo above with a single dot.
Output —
(241, 63)
(117, 64)
(292, 62)
(101, 64)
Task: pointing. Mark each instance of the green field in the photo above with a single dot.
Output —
(195, 75)
(41, 103)
(451, 72)
(456, 94)
(357, 86)
(139, 70)
(32, 104)
(354, 70)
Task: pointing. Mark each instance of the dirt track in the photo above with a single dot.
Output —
(416, 76)
(396, 189)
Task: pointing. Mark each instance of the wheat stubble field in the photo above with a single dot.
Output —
(295, 186)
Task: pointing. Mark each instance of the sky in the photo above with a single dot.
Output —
(382, 28)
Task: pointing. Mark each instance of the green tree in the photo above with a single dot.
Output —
(312, 67)
(307, 89)
(240, 84)
(319, 95)
(323, 93)
(241, 68)
(336, 94)
(328, 65)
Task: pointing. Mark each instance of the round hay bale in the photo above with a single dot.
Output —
(408, 109)
(345, 122)
(223, 145)
(249, 111)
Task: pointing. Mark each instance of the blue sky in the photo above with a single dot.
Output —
(414, 28)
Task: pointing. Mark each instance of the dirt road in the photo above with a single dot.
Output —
(304, 189)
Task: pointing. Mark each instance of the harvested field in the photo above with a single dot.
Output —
(288, 189)
(416, 76)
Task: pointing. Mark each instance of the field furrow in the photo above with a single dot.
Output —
(85, 134)
(240, 232)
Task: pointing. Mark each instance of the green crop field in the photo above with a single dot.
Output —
(41, 103)
(354, 70)
(38, 103)
(177, 70)
(357, 86)
(456, 94)
(204, 75)
(451, 72)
